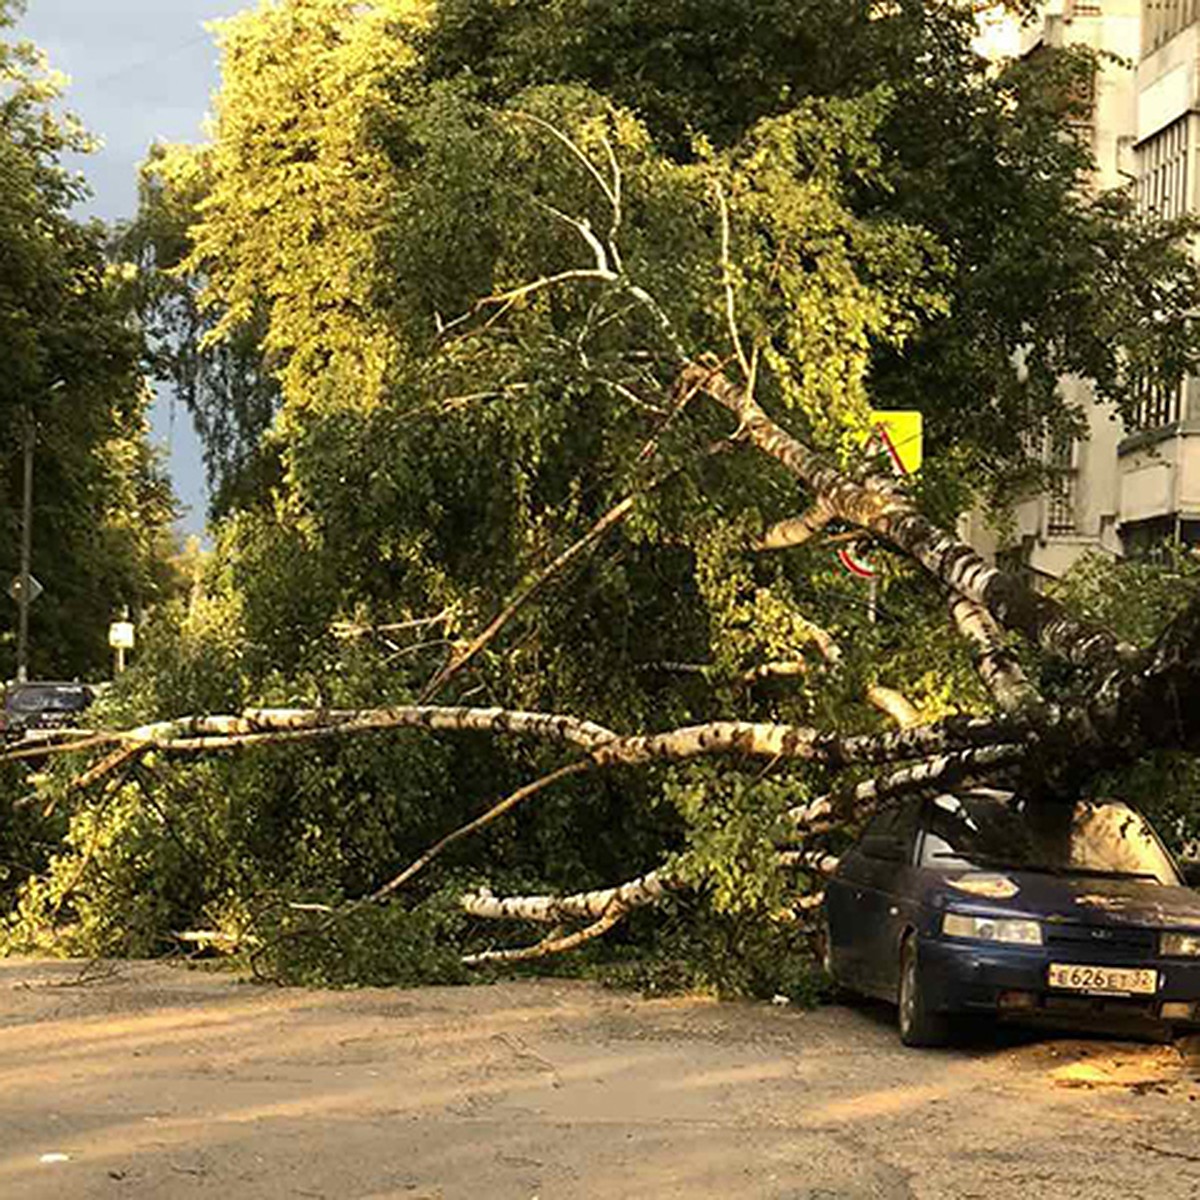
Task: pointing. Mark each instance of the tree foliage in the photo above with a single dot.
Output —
(72, 362)
(541, 318)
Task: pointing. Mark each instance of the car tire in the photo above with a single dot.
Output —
(825, 948)
(918, 1025)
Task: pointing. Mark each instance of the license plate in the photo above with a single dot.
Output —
(1105, 981)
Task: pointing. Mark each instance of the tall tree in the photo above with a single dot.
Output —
(72, 367)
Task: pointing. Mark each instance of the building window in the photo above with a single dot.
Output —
(1060, 495)
(1162, 187)
(1158, 405)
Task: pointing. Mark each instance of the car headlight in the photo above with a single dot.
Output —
(993, 929)
(1179, 945)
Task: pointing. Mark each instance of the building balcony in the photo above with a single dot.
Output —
(1159, 482)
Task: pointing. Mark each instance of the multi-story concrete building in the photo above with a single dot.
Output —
(1085, 509)
(1159, 466)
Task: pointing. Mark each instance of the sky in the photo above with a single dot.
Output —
(139, 70)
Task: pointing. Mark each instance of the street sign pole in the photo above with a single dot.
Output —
(23, 598)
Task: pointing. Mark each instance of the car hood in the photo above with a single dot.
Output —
(1082, 898)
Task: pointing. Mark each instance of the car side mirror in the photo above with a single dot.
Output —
(1191, 872)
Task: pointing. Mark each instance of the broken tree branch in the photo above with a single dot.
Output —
(349, 630)
(611, 192)
(604, 747)
(883, 509)
(727, 283)
(503, 301)
(637, 893)
(459, 661)
(940, 770)
(943, 770)
(795, 531)
(995, 663)
(607, 522)
(494, 813)
(819, 861)
(892, 704)
(548, 946)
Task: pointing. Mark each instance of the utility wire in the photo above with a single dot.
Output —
(159, 56)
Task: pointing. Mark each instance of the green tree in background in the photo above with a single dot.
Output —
(987, 161)
(72, 356)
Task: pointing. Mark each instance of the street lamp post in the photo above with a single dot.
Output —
(27, 588)
(26, 551)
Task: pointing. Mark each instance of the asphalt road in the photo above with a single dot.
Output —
(139, 1080)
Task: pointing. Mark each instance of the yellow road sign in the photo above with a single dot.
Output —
(901, 434)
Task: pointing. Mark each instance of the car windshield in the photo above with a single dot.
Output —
(1004, 832)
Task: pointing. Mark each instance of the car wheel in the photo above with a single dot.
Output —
(918, 1026)
(825, 947)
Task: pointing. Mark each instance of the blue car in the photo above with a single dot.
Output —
(985, 903)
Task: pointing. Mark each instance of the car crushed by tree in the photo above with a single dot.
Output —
(986, 904)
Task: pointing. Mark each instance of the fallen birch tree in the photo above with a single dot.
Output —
(1126, 704)
(715, 402)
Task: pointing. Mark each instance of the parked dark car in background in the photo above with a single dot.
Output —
(42, 705)
(987, 903)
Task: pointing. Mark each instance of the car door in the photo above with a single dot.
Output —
(843, 911)
(869, 903)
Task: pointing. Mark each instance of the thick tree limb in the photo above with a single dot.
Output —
(941, 770)
(997, 667)
(604, 747)
(645, 890)
(923, 741)
(604, 906)
(880, 507)
(192, 734)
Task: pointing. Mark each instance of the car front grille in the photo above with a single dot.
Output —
(1101, 939)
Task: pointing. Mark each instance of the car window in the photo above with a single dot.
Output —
(44, 699)
(890, 834)
(1007, 832)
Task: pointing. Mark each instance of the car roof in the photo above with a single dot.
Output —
(29, 684)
